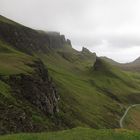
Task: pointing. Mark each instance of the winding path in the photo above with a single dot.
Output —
(125, 113)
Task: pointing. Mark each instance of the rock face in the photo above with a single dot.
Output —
(15, 119)
(85, 51)
(56, 40)
(29, 41)
(33, 93)
(38, 89)
(69, 42)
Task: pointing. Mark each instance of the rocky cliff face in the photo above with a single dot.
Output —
(57, 41)
(37, 88)
(29, 41)
(23, 38)
(33, 92)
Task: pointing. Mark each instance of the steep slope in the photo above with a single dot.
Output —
(28, 96)
(28, 102)
(89, 92)
(92, 92)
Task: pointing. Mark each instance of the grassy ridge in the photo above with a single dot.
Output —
(78, 134)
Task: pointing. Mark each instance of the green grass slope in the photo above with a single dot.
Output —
(13, 61)
(93, 93)
(78, 134)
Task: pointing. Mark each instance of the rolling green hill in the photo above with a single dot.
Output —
(48, 85)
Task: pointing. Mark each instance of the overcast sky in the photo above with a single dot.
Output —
(108, 27)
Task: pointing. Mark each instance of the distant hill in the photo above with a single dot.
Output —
(132, 66)
(137, 61)
(111, 61)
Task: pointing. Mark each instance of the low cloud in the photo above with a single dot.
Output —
(105, 26)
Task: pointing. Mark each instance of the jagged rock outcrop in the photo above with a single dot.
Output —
(56, 40)
(15, 118)
(33, 93)
(37, 88)
(85, 51)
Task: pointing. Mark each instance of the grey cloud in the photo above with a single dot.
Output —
(124, 42)
(90, 23)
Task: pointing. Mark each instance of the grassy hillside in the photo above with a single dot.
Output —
(13, 61)
(92, 92)
(78, 134)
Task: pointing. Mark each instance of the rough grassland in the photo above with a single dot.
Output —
(132, 120)
(78, 134)
(12, 61)
(89, 96)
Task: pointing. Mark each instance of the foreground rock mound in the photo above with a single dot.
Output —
(38, 88)
(33, 96)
